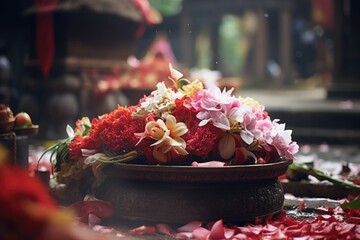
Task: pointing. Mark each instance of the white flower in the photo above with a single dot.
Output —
(161, 100)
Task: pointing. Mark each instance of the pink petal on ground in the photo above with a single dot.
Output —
(208, 164)
(240, 236)
(201, 233)
(269, 228)
(120, 235)
(289, 221)
(103, 229)
(189, 227)
(93, 220)
(250, 230)
(229, 232)
(278, 234)
(184, 235)
(143, 230)
(346, 228)
(101, 209)
(298, 230)
(164, 229)
(217, 231)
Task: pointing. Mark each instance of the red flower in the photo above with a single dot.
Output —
(25, 204)
(75, 147)
(119, 131)
(114, 132)
(199, 140)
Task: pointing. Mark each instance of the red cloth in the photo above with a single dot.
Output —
(323, 13)
(45, 45)
(150, 17)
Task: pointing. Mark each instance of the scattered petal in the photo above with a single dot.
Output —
(189, 227)
(201, 233)
(142, 230)
(164, 229)
(217, 231)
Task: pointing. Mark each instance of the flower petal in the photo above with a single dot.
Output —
(247, 136)
(70, 132)
(227, 146)
(159, 155)
(179, 130)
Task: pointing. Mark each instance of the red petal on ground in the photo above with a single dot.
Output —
(275, 235)
(143, 230)
(355, 220)
(346, 228)
(289, 221)
(201, 233)
(189, 227)
(269, 228)
(298, 230)
(101, 209)
(328, 229)
(164, 229)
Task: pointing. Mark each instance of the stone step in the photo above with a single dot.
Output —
(316, 126)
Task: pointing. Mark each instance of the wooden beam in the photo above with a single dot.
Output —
(285, 47)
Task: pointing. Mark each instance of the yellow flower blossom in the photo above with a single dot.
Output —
(191, 89)
(252, 103)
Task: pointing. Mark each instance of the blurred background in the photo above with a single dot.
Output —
(64, 59)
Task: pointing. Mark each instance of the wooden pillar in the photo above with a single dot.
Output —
(215, 43)
(345, 83)
(186, 35)
(261, 47)
(285, 46)
(339, 25)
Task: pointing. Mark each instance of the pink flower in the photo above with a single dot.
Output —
(281, 140)
(217, 107)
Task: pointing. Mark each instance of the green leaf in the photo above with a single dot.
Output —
(353, 204)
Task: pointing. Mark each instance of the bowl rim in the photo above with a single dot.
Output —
(166, 173)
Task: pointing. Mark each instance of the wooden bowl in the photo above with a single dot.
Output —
(29, 130)
(180, 194)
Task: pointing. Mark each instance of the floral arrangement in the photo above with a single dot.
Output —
(185, 124)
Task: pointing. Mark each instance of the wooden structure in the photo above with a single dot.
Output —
(210, 12)
(346, 84)
(91, 39)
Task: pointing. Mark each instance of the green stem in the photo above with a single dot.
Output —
(320, 175)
